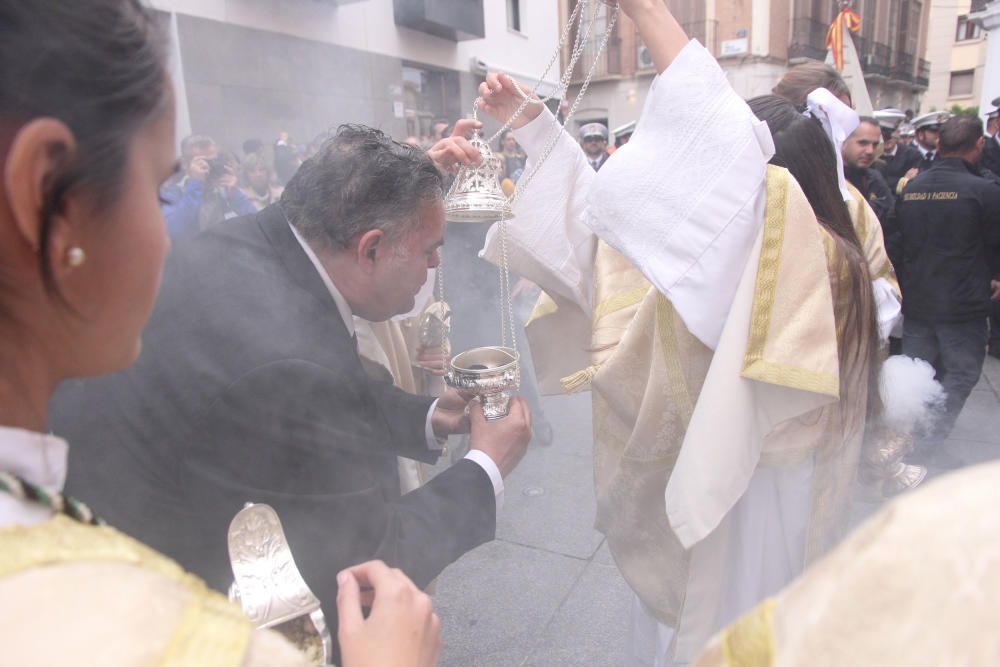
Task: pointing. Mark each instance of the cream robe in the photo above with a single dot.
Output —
(387, 350)
(918, 584)
(86, 595)
(723, 346)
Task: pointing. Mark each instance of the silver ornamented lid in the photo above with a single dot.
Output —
(268, 584)
(476, 195)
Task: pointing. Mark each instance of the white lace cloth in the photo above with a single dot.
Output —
(683, 200)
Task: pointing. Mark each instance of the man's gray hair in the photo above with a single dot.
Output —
(358, 181)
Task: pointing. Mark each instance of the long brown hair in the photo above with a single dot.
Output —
(802, 147)
(799, 81)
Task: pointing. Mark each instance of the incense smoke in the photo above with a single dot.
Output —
(913, 399)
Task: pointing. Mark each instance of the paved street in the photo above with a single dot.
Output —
(547, 592)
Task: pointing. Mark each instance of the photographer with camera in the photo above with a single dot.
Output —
(206, 192)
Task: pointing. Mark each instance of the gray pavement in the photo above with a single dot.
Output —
(546, 591)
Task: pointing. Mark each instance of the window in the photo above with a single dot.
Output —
(967, 29)
(426, 93)
(961, 83)
(514, 15)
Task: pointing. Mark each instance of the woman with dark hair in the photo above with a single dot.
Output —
(801, 80)
(708, 287)
(809, 88)
(86, 141)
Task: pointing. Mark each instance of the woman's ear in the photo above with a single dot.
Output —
(38, 152)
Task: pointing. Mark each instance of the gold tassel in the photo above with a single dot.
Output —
(580, 380)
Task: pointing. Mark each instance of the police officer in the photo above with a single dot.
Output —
(949, 220)
(919, 156)
(594, 139)
(889, 121)
(859, 153)
(990, 159)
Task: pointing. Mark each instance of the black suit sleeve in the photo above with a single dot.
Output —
(400, 411)
(294, 435)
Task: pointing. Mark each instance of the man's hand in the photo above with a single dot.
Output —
(911, 174)
(450, 416)
(402, 629)
(198, 168)
(995, 288)
(501, 100)
(503, 440)
(434, 359)
(452, 152)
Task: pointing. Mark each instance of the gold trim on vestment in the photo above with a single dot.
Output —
(544, 306)
(861, 223)
(755, 367)
(676, 380)
(619, 302)
(213, 631)
(749, 642)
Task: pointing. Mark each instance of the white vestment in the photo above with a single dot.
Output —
(684, 202)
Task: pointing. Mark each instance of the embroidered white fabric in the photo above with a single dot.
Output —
(683, 200)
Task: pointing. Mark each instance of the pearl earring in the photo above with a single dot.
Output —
(76, 256)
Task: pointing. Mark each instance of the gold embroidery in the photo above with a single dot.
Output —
(620, 302)
(790, 376)
(749, 642)
(770, 262)
(677, 383)
(544, 306)
(213, 630)
(755, 367)
(861, 224)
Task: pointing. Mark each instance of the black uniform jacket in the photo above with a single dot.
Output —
(949, 222)
(990, 158)
(871, 184)
(249, 388)
(906, 158)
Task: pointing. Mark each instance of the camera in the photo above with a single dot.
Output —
(216, 168)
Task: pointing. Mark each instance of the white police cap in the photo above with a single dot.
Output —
(932, 119)
(594, 130)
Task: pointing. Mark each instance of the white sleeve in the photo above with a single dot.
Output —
(888, 307)
(684, 199)
(547, 241)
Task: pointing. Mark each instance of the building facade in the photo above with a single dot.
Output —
(255, 68)
(956, 48)
(988, 18)
(756, 41)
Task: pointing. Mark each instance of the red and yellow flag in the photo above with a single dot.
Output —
(835, 35)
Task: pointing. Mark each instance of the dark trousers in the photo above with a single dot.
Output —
(957, 351)
(994, 324)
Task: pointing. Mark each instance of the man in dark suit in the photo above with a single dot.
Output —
(949, 220)
(250, 388)
(990, 159)
(859, 154)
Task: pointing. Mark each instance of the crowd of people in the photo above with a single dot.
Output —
(723, 282)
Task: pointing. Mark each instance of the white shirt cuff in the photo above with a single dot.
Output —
(486, 463)
(434, 443)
